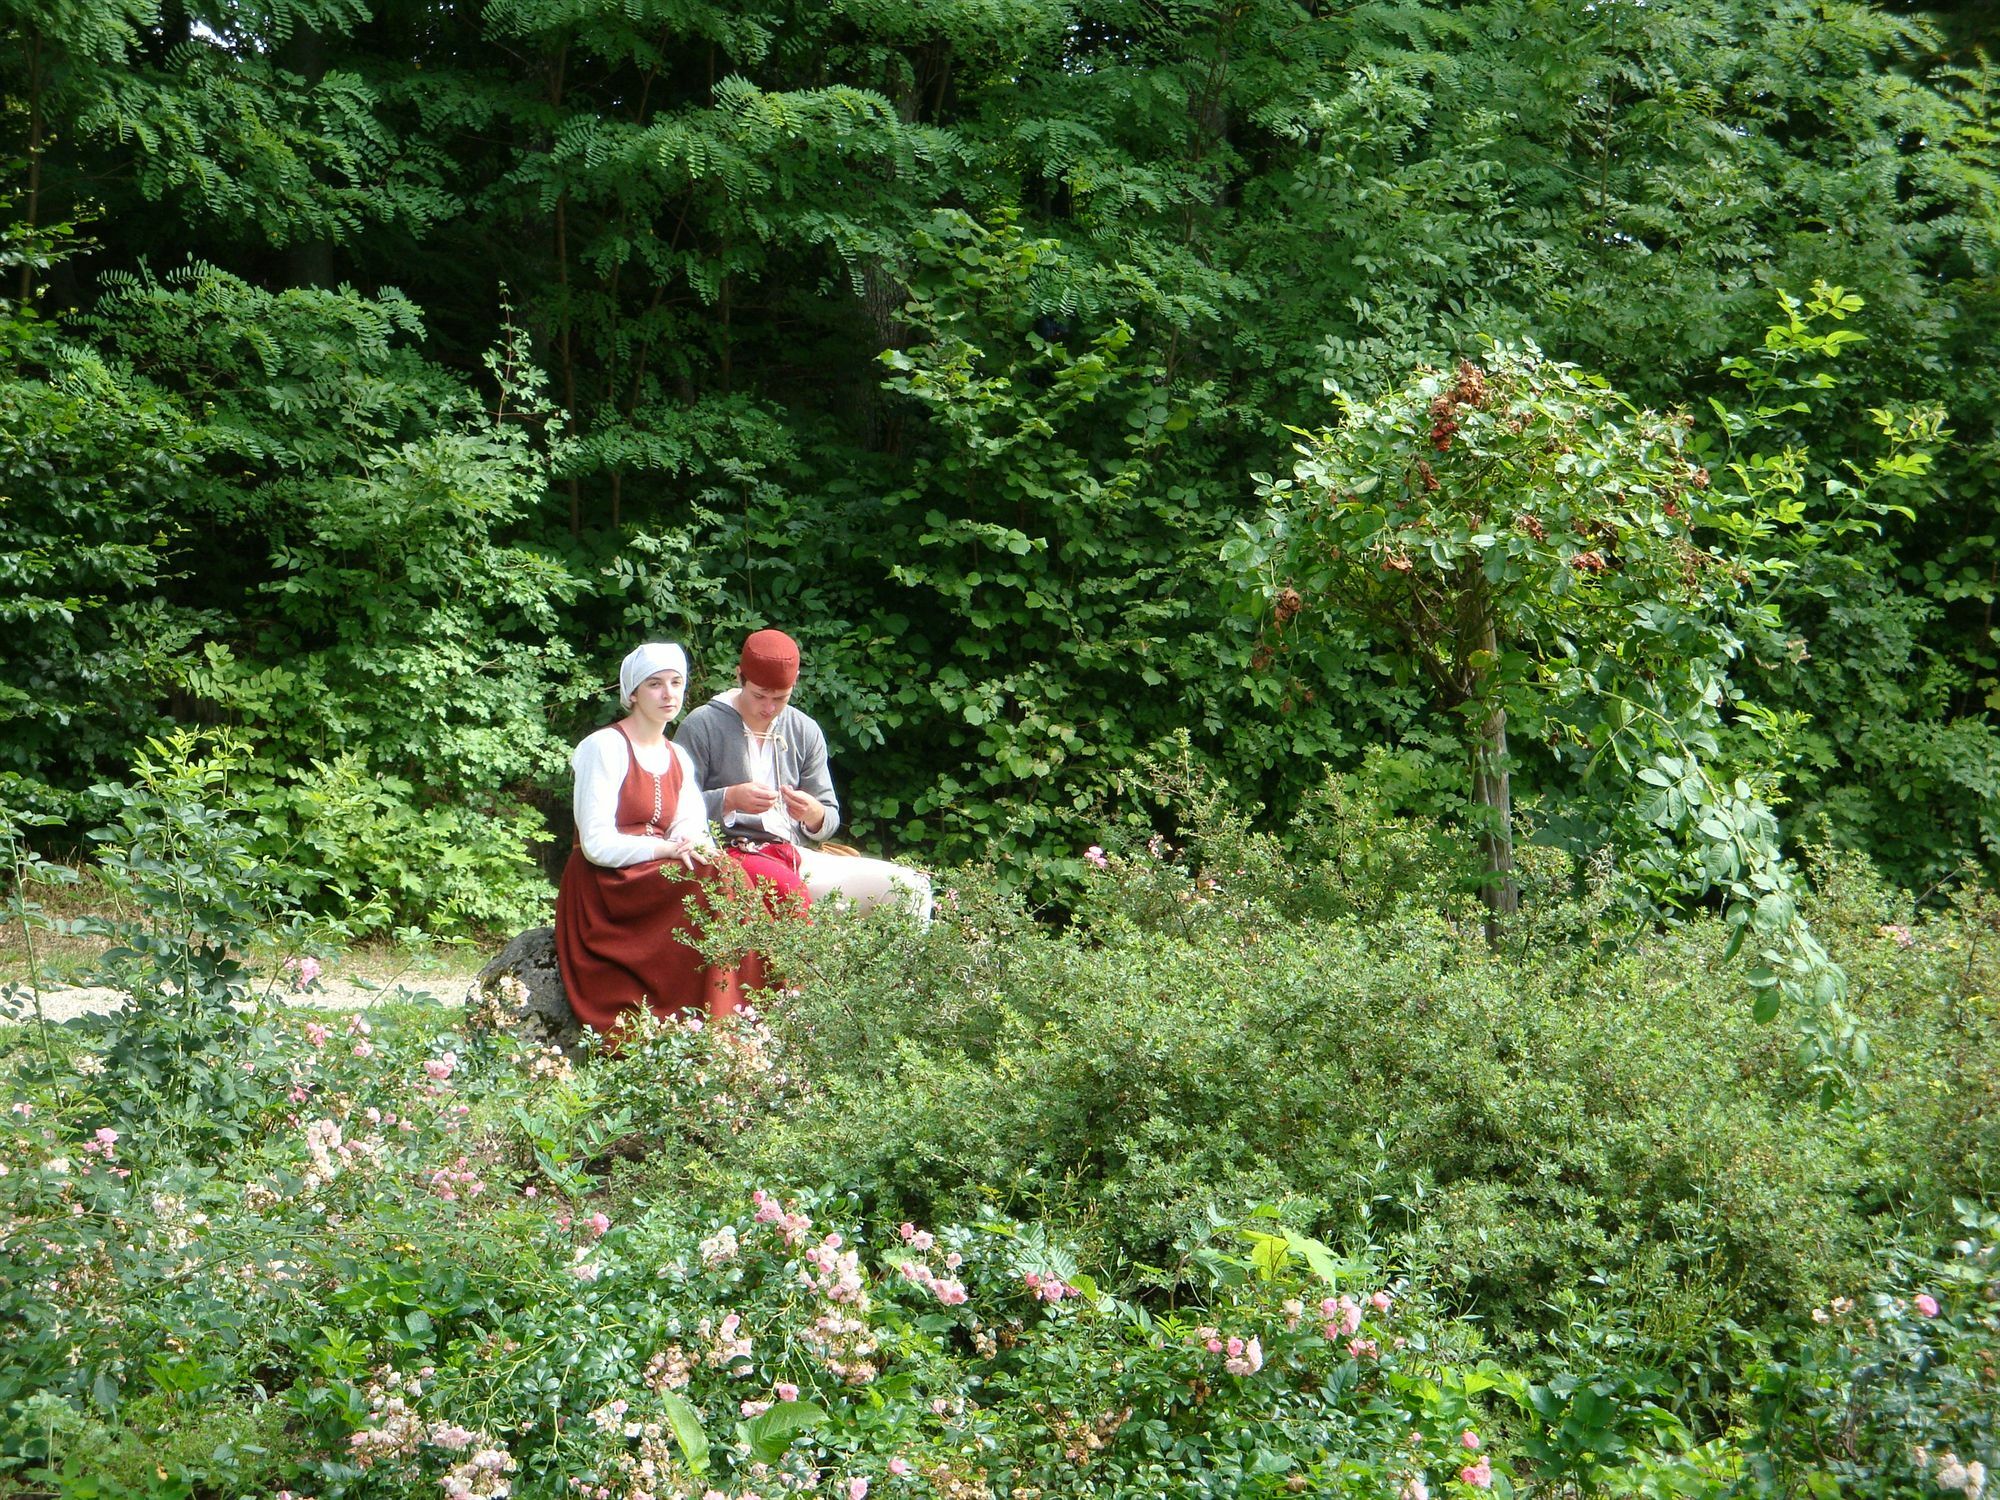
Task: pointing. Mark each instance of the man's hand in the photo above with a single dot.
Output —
(806, 809)
(748, 797)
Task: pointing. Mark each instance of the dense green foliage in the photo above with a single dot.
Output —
(949, 338)
(1260, 1179)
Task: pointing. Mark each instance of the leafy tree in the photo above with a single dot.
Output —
(719, 216)
(92, 465)
(393, 658)
(1045, 536)
(1521, 536)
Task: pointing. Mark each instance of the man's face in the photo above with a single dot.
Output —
(761, 705)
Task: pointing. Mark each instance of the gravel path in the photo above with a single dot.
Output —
(69, 1002)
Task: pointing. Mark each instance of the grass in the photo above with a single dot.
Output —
(60, 959)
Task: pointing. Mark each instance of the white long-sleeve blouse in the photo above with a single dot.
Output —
(599, 763)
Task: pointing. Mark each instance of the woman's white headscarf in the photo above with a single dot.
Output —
(643, 661)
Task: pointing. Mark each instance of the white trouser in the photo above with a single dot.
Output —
(868, 883)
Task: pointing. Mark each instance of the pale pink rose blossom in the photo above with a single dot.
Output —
(1927, 1304)
(1246, 1359)
(1469, 1441)
(1479, 1475)
(857, 1488)
(899, 1467)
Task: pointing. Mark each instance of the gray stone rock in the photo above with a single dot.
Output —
(543, 1016)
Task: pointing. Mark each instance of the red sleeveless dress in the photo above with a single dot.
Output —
(625, 937)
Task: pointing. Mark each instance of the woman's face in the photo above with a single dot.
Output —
(659, 697)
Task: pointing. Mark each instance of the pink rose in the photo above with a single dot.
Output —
(1469, 1441)
(599, 1225)
(784, 1390)
(899, 1467)
(857, 1488)
(1926, 1303)
(1097, 857)
(1479, 1475)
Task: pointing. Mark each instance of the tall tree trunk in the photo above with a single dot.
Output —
(565, 351)
(35, 147)
(1492, 789)
(307, 262)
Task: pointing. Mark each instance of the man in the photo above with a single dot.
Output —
(762, 765)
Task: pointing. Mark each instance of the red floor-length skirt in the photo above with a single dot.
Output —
(626, 937)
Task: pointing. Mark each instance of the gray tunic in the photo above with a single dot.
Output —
(714, 738)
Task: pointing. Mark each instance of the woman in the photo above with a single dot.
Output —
(625, 929)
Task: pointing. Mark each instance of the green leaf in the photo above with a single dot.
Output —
(1268, 1253)
(770, 1433)
(686, 1424)
(1319, 1257)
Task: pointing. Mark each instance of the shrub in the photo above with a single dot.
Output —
(1893, 1388)
(1517, 1122)
(391, 1286)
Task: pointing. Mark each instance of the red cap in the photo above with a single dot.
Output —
(770, 660)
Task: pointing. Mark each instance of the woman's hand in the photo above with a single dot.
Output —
(681, 852)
